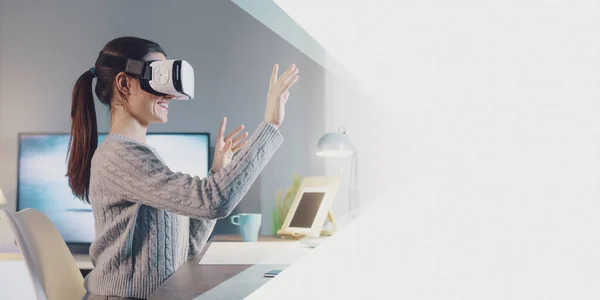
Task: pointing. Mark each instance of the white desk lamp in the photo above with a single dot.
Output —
(337, 144)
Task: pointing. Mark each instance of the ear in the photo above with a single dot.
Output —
(122, 85)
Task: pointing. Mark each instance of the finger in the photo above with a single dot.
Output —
(287, 73)
(286, 96)
(239, 138)
(290, 76)
(274, 75)
(284, 87)
(235, 132)
(227, 146)
(287, 79)
(222, 129)
(239, 146)
(291, 82)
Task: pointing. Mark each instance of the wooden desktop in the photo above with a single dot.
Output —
(193, 279)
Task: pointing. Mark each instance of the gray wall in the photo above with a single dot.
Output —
(46, 45)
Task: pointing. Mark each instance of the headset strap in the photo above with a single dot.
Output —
(127, 65)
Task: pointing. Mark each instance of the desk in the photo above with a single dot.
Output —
(192, 279)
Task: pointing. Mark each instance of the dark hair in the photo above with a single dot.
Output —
(84, 129)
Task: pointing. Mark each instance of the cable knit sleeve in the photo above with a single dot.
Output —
(200, 230)
(132, 171)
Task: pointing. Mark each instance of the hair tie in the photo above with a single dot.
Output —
(93, 72)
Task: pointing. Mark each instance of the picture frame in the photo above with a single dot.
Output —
(310, 208)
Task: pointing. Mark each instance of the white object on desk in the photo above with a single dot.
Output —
(248, 253)
(311, 242)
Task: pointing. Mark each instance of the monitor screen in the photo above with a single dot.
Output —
(42, 183)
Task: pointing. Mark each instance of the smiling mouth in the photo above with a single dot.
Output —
(164, 105)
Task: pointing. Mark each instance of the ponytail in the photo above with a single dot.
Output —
(84, 136)
(84, 129)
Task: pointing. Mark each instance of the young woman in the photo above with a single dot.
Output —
(150, 219)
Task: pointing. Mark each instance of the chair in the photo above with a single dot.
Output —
(52, 268)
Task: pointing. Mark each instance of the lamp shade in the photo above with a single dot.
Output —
(2, 199)
(335, 144)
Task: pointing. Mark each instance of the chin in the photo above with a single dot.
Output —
(161, 111)
(161, 119)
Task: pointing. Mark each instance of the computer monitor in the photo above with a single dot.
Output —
(43, 185)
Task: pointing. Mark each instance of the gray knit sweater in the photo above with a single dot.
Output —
(149, 219)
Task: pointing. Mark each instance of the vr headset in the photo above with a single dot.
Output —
(173, 77)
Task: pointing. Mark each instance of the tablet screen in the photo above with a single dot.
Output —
(307, 209)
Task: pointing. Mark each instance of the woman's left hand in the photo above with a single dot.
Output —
(227, 146)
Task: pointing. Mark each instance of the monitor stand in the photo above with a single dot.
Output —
(79, 248)
(81, 254)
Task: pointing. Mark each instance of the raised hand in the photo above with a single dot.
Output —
(279, 93)
(227, 146)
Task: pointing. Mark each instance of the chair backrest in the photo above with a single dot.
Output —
(54, 272)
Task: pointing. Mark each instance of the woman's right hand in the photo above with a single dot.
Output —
(279, 93)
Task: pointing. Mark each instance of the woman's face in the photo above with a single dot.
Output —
(146, 107)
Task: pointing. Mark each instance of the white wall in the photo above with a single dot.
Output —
(46, 45)
(480, 144)
(435, 87)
